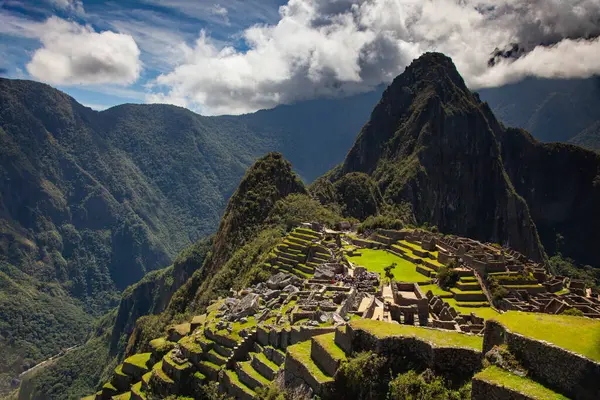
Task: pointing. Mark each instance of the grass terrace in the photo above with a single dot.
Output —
(577, 334)
(377, 260)
(438, 337)
(301, 353)
(327, 341)
(486, 312)
(157, 370)
(523, 385)
(139, 360)
(436, 290)
(236, 381)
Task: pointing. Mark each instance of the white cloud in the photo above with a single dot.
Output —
(74, 6)
(333, 47)
(76, 54)
(97, 107)
(221, 11)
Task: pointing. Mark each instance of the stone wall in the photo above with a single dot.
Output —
(573, 375)
(397, 235)
(303, 333)
(296, 373)
(453, 362)
(348, 303)
(482, 390)
(323, 359)
(228, 387)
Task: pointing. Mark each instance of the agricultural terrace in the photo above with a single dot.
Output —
(577, 334)
(437, 337)
(376, 260)
(500, 377)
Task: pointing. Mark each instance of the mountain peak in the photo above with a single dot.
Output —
(269, 179)
(433, 67)
(431, 143)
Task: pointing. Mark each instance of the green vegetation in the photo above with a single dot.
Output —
(447, 277)
(376, 261)
(424, 386)
(389, 274)
(436, 290)
(482, 312)
(497, 291)
(523, 385)
(139, 360)
(363, 376)
(560, 265)
(301, 352)
(574, 312)
(579, 335)
(37, 321)
(327, 341)
(436, 337)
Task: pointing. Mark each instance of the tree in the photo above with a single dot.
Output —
(447, 277)
(388, 272)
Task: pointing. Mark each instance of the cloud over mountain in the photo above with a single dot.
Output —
(75, 54)
(328, 48)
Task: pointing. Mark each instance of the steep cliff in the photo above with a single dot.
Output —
(432, 143)
(561, 184)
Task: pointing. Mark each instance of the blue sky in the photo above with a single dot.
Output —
(154, 24)
(238, 56)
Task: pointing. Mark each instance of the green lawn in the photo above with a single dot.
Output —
(481, 312)
(139, 360)
(377, 260)
(435, 289)
(301, 353)
(523, 385)
(578, 334)
(437, 337)
(327, 341)
(236, 381)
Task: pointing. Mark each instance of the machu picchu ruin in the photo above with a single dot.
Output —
(329, 297)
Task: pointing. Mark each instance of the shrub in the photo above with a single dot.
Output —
(498, 291)
(574, 312)
(363, 377)
(447, 277)
(426, 386)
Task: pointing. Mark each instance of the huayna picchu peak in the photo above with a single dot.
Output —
(433, 145)
(434, 262)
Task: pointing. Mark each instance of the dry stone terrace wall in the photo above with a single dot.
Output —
(482, 390)
(459, 363)
(571, 374)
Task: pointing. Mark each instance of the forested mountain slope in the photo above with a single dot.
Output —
(91, 201)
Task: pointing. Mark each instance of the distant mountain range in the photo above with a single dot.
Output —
(552, 110)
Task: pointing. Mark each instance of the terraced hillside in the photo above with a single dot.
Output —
(320, 311)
